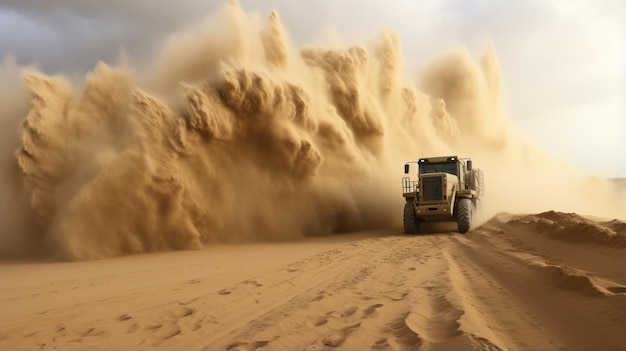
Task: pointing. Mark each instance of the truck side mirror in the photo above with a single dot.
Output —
(469, 165)
(406, 168)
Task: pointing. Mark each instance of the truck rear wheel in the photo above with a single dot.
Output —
(464, 214)
(411, 223)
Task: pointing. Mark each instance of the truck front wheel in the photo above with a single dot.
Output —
(464, 214)
(411, 223)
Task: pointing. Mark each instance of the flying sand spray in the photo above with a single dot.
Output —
(243, 137)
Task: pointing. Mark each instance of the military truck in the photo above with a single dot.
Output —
(447, 188)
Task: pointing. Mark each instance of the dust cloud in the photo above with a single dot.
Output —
(240, 136)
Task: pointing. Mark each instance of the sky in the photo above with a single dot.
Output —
(563, 61)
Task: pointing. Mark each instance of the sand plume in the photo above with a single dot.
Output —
(472, 94)
(239, 136)
(274, 42)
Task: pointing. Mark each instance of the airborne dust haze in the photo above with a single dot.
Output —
(241, 136)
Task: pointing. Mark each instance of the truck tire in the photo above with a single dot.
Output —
(411, 223)
(464, 214)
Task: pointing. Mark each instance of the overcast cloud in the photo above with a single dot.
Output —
(563, 61)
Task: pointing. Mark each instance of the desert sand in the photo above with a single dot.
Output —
(551, 281)
(245, 195)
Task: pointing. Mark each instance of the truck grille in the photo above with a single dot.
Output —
(432, 189)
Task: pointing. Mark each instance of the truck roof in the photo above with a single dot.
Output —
(438, 159)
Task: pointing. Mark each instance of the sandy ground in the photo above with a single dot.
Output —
(551, 281)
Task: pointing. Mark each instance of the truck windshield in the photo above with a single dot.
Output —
(445, 167)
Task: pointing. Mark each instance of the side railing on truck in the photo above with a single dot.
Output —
(408, 185)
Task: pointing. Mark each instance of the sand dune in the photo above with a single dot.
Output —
(516, 282)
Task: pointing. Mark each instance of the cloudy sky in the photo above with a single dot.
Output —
(564, 62)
